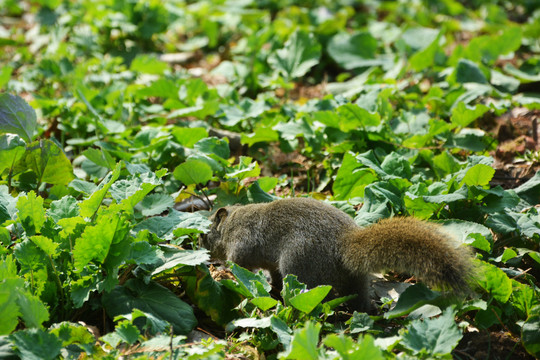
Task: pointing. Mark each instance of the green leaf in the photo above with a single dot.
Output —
(488, 48)
(467, 71)
(245, 168)
(360, 322)
(90, 205)
(307, 301)
(96, 240)
(100, 157)
(66, 207)
(189, 136)
(304, 344)
(48, 162)
(264, 302)
(353, 117)
(129, 192)
(438, 336)
(155, 204)
(350, 182)
(425, 58)
(352, 51)
(193, 172)
(9, 309)
(494, 281)
(47, 245)
(174, 257)
(11, 151)
(31, 213)
(151, 298)
(33, 311)
(148, 64)
(214, 147)
(36, 344)
(347, 348)
(127, 332)
(463, 115)
(299, 54)
(210, 296)
(478, 175)
(17, 117)
(411, 299)
(530, 333)
(164, 226)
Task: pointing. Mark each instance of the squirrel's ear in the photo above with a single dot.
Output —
(221, 215)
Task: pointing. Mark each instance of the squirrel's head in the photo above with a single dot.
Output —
(212, 240)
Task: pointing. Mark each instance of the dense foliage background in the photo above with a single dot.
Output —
(124, 122)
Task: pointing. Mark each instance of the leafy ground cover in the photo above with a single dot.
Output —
(122, 123)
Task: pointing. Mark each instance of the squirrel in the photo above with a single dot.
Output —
(322, 245)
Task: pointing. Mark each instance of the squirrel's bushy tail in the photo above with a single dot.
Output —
(410, 246)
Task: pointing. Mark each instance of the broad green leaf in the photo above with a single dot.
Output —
(360, 322)
(5, 74)
(282, 330)
(47, 245)
(530, 190)
(437, 336)
(11, 151)
(304, 343)
(31, 212)
(36, 344)
(463, 115)
(299, 54)
(193, 172)
(90, 205)
(488, 48)
(211, 296)
(264, 302)
(353, 117)
(411, 299)
(48, 162)
(494, 281)
(244, 110)
(149, 65)
(307, 301)
(66, 207)
(467, 71)
(100, 157)
(252, 285)
(424, 58)
(17, 117)
(352, 51)
(261, 134)
(127, 332)
(96, 240)
(71, 333)
(189, 136)
(163, 226)
(129, 192)
(33, 311)
(9, 309)
(347, 348)
(173, 257)
(530, 333)
(155, 204)
(245, 168)
(214, 147)
(151, 298)
(479, 175)
(350, 181)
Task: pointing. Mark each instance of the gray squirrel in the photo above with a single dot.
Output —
(322, 245)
